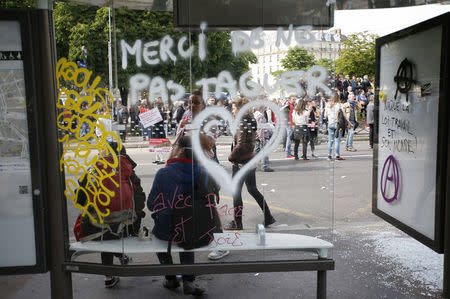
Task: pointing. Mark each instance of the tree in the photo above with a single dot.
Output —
(357, 55)
(77, 26)
(326, 63)
(14, 4)
(297, 59)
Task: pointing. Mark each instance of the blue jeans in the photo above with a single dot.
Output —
(349, 140)
(289, 132)
(84, 130)
(331, 132)
(258, 147)
(146, 131)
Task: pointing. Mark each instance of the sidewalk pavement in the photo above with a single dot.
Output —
(372, 261)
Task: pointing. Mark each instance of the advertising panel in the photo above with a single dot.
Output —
(406, 160)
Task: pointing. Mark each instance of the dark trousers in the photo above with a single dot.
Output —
(185, 258)
(108, 257)
(312, 139)
(304, 147)
(130, 230)
(371, 134)
(250, 182)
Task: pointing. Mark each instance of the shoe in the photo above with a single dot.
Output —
(314, 156)
(296, 159)
(191, 288)
(111, 282)
(370, 146)
(218, 254)
(305, 159)
(290, 156)
(125, 260)
(330, 158)
(234, 225)
(339, 158)
(347, 148)
(270, 220)
(352, 149)
(268, 170)
(171, 284)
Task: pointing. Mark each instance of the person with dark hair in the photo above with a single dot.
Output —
(312, 125)
(173, 181)
(301, 132)
(123, 216)
(334, 132)
(243, 151)
(208, 142)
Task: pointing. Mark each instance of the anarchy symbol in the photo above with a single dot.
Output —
(404, 78)
(390, 175)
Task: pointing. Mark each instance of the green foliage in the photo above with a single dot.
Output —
(277, 73)
(297, 59)
(17, 4)
(326, 63)
(79, 25)
(357, 55)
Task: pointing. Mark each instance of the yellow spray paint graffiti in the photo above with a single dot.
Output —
(83, 135)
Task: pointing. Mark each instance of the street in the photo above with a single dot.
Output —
(329, 200)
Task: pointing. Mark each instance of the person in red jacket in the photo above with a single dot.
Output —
(122, 217)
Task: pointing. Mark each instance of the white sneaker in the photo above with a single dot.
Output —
(218, 254)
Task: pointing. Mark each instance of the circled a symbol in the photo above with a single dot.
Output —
(390, 179)
(404, 78)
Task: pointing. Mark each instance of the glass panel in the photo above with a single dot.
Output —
(16, 199)
(205, 85)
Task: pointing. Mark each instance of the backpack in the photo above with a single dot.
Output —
(78, 228)
(193, 224)
(117, 223)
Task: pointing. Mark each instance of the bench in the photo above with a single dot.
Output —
(222, 241)
(260, 240)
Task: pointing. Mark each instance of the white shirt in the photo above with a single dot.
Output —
(332, 113)
(300, 120)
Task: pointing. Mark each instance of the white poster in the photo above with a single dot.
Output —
(408, 129)
(150, 117)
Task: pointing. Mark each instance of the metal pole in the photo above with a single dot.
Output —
(321, 284)
(110, 53)
(116, 80)
(446, 286)
(45, 59)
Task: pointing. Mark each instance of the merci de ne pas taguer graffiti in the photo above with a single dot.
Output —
(162, 51)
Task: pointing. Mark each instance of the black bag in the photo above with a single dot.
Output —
(301, 133)
(195, 222)
(342, 121)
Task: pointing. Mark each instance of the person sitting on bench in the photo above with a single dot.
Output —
(173, 181)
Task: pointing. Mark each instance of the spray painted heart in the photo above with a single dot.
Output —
(220, 175)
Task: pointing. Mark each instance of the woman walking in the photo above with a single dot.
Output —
(241, 153)
(331, 112)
